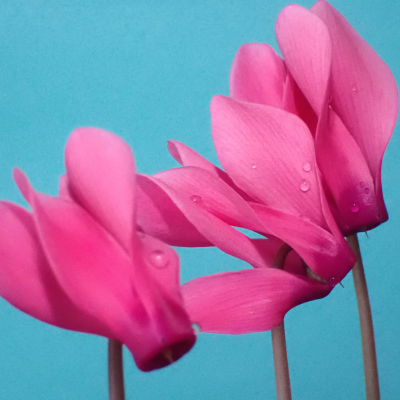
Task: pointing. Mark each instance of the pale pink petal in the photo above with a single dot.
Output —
(247, 301)
(326, 254)
(158, 216)
(187, 157)
(364, 92)
(268, 153)
(258, 75)
(306, 48)
(348, 178)
(101, 175)
(27, 281)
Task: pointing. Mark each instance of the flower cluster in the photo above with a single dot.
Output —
(301, 141)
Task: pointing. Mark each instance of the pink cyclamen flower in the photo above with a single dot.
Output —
(189, 206)
(336, 83)
(78, 262)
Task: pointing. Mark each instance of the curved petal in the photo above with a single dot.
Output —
(258, 75)
(158, 216)
(247, 301)
(306, 48)
(268, 153)
(348, 177)
(364, 92)
(102, 279)
(213, 194)
(218, 232)
(101, 176)
(27, 281)
(187, 157)
(327, 255)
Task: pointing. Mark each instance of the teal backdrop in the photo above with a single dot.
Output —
(147, 71)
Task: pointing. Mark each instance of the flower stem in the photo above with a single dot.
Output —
(366, 324)
(115, 370)
(281, 366)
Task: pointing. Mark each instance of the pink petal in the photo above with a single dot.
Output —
(326, 254)
(269, 154)
(158, 216)
(218, 232)
(348, 177)
(26, 279)
(247, 301)
(101, 174)
(306, 48)
(364, 92)
(103, 280)
(258, 75)
(213, 194)
(189, 158)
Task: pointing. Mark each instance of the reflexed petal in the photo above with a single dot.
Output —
(306, 48)
(158, 216)
(187, 157)
(247, 301)
(364, 92)
(258, 75)
(212, 194)
(101, 174)
(219, 233)
(100, 277)
(348, 177)
(326, 254)
(269, 154)
(26, 279)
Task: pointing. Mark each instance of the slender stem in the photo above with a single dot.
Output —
(115, 370)
(282, 378)
(366, 324)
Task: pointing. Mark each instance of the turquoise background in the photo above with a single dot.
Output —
(147, 70)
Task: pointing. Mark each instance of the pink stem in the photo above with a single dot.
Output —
(366, 324)
(115, 370)
(281, 366)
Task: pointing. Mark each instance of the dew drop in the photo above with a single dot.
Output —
(304, 185)
(196, 328)
(196, 199)
(354, 89)
(332, 280)
(307, 167)
(362, 184)
(366, 191)
(158, 259)
(354, 208)
(254, 166)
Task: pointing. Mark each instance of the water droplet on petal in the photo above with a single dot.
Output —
(254, 166)
(354, 208)
(196, 199)
(332, 280)
(366, 191)
(354, 89)
(362, 184)
(196, 328)
(304, 185)
(307, 167)
(158, 259)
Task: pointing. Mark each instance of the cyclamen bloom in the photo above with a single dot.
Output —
(78, 262)
(336, 83)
